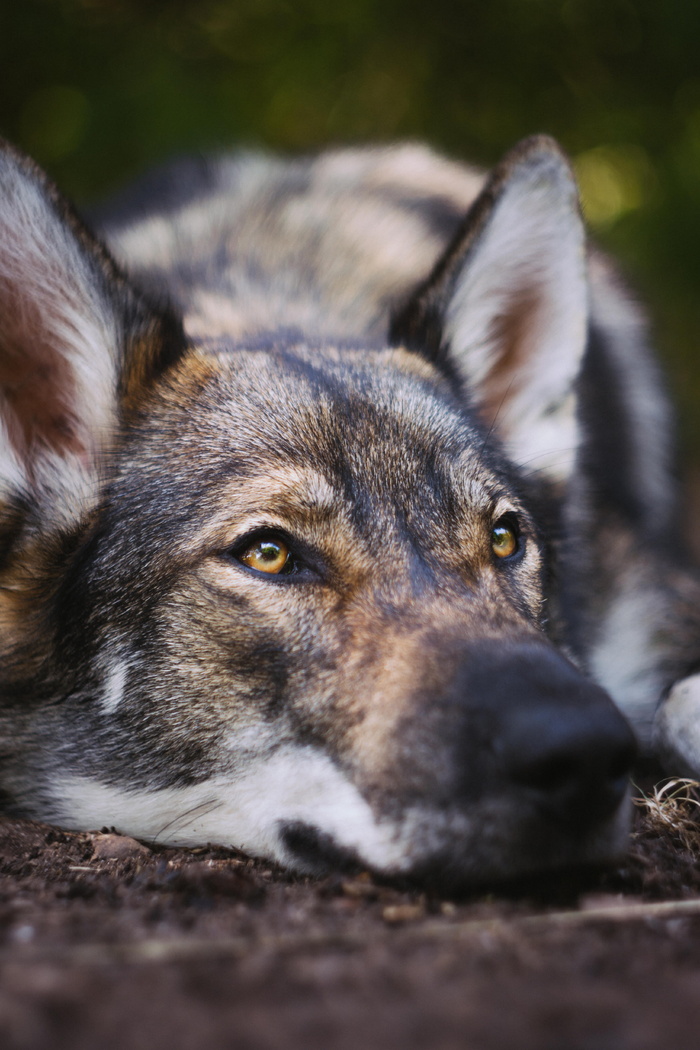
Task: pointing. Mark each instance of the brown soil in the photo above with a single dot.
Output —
(106, 943)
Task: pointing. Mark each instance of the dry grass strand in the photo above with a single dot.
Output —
(674, 806)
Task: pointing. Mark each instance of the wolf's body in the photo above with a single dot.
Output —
(467, 470)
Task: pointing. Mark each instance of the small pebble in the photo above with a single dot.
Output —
(23, 934)
(396, 913)
(118, 847)
(359, 888)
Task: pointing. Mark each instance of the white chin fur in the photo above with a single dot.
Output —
(301, 785)
(293, 784)
(677, 728)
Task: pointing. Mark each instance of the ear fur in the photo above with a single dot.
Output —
(506, 307)
(75, 341)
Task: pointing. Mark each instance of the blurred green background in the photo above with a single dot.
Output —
(97, 90)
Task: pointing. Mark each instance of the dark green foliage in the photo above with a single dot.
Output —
(97, 90)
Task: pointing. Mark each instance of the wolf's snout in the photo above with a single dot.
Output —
(508, 761)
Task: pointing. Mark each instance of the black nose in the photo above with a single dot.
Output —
(573, 762)
(556, 738)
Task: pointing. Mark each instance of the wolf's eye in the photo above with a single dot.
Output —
(504, 538)
(267, 555)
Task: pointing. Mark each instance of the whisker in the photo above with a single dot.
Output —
(492, 427)
(525, 474)
(548, 452)
(201, 809)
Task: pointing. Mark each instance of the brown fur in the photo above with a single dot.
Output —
(318, 371)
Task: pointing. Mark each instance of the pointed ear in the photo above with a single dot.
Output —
(506, 307)
(77, 343)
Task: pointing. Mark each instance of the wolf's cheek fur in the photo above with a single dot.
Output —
(290, 785)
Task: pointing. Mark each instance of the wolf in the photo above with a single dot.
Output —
(337, 516)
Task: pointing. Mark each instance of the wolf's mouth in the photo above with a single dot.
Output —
(454, 863)
(316, 851)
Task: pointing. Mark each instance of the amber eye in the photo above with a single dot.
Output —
(504, 540)
(272, 556)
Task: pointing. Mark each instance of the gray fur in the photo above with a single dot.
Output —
(323, 351)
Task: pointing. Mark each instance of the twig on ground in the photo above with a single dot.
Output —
(187, 949)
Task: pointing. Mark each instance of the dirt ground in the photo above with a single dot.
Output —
(108, 943)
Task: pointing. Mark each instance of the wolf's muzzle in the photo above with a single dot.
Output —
(508, 762)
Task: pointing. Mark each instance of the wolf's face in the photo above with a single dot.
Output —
(291, 596)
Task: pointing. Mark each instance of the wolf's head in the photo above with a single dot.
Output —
(289, 596)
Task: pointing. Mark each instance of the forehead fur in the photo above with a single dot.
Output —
(386, 414)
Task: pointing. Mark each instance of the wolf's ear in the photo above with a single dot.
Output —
(506, 307)
(76, 345)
